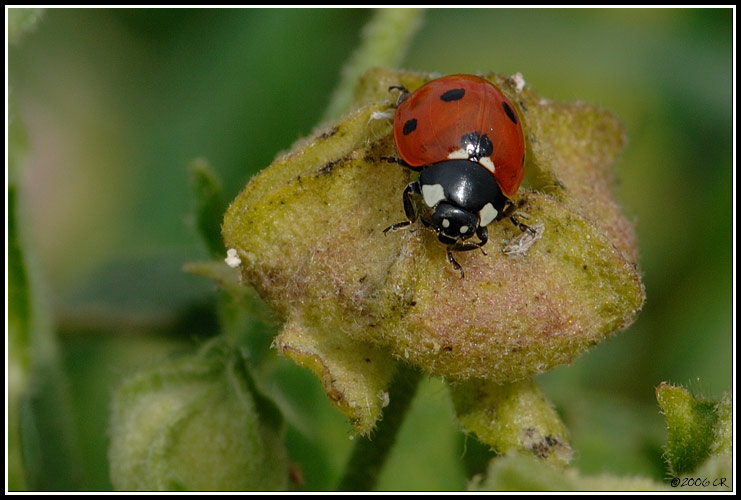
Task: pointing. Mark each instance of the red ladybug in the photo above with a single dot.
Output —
(465, 138)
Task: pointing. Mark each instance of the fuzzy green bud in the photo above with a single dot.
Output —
(699, 433)
(195, 424)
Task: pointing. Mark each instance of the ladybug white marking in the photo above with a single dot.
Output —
(464, 229)
(459, 154)
(487, 214)
(432, 194)
(446, 223)
(487, 164)
(464, 154)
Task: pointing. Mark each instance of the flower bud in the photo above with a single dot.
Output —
(699, 431)
(193, 424)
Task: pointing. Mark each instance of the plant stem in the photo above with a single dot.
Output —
(369, 454)
(384, 42)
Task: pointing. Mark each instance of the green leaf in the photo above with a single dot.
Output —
(210, 205)
(18, 345)
(19, 307)
(384, 42)
(42, 448)
(723, 433)
(694, 428)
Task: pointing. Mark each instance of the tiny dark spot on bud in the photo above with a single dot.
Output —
(329, 133)
(328, 167)
(336, 396)
(367, 360)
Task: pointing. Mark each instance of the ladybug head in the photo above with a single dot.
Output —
(453, 224)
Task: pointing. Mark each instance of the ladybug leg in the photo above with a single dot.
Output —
(521, 225)
(398, 161)
(483, 235)
(404, 93)
(452, 260)
(410, 208)
(509, 211)
(402, 88)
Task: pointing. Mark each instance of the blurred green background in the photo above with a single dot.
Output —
(116, 103)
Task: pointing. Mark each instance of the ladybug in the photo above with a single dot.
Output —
(465, 138)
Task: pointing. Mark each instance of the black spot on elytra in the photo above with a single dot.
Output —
(410, 126)
(479, 146)
(510, 112)
(485, 146)
(453, 95)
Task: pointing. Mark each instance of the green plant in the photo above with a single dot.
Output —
(229, 374)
